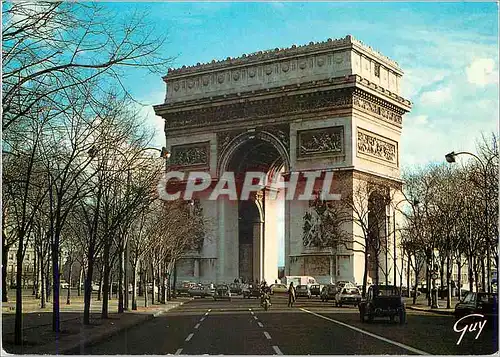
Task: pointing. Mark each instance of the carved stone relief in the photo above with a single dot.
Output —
(190, 154)
(376, 146)
(289, 105)
(324, 141)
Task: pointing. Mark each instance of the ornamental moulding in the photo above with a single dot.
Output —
(285, 105)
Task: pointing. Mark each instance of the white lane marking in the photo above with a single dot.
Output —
(406, 347)
(249, 309)
(252, 312)
(209, 310)
(178, 352)
(206, 313)
(197, 325)
(255, 317)
(201, 320)
(277, 350)
(260, 324)
(268, 336)
(189, 337)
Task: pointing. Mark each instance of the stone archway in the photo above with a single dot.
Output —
(332, 106)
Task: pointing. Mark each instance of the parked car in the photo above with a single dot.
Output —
(328, 292)
(183, 288)
(235, 288)
(348, 296)
(222, 292)
(197, 291)
(482, 303)
(315, 290)
(344, 283)
(250, 290)
(279, 289)
(303, 291)
(382, 303)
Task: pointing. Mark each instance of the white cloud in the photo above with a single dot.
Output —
(438, 96)
(419, 119)
(482, 72)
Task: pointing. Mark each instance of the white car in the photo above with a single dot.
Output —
(348, 296)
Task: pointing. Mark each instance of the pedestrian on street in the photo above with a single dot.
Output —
(291, 295)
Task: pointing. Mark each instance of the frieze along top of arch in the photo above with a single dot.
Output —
(282, 67)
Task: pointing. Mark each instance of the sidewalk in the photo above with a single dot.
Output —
(422, 305)
(38, 337)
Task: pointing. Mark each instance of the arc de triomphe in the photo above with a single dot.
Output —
(333, 106)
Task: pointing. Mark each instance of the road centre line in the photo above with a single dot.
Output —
(260, 324)
(209, 310)
(268, 336)
(252, 312)
(189, 337)
(277, 350)
(255, 317)
(406, 347)
(206, 313)
(197, 325)
(178, 352)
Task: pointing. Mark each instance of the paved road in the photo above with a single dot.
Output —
(241, 327)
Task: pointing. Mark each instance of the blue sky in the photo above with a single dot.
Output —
(448, 51)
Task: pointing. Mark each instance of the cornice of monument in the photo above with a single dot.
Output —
(372, 88)
(277, 54)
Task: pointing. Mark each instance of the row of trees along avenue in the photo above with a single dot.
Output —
(79, 177)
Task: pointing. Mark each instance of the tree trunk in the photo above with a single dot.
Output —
(471, 273)
(459, 282)
(365, 274)
(105, 278)
(153, 279)
(5, 256)
(483, 276)
(43, 285)
(80, 278)
(18, 332)
(87, 290)
(68, 298)
(101, 270)
(39, 283)
(120, 281)
(448, 281)
(134, 287)
(145, 281)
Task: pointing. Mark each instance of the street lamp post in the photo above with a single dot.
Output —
(450, 158)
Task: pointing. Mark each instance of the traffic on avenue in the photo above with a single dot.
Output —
(241, 326)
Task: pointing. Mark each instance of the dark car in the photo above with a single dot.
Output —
(482, 303)
(222, 292)
(303, 291)
(251, 290)
(315, 290)
(198, 291)
(382, 302)
(235, 288)
(328, 292)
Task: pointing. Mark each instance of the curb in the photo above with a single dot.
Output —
(105, 336)
(435, 311)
